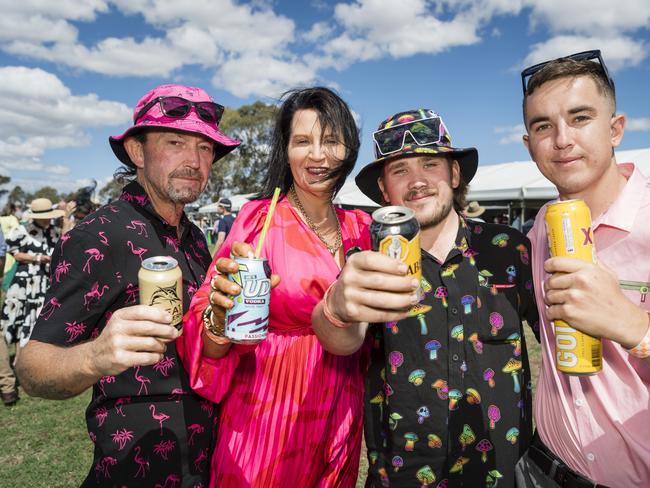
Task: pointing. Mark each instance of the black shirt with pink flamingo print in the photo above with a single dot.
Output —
(147, 426)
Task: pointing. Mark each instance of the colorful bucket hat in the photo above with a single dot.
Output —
(192, 120)
(412, 133)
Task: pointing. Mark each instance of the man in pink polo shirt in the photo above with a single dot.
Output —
(592, 430)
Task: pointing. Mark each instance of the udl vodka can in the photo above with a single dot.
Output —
(247, 322)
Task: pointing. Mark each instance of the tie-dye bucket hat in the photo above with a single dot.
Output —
(177, 107)
(412, 133)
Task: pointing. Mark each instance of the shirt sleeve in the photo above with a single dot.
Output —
(81, 292)
(527, 304)
(211, 377)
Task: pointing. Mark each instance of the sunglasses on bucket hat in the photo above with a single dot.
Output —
(424, 132)
(593, 55)
(179, 107)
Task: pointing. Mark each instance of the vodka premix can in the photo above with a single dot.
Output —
(161, 285)
(568, 225)
(395, 232)
(247, 322)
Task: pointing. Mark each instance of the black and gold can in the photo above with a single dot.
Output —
(395, 232)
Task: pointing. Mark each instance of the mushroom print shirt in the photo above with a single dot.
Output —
(448, 396)
(147, 426)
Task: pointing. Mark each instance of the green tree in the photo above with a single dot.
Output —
(243, 169)
(46, 192)
(17, 195)
(110, 191)
(3, 181)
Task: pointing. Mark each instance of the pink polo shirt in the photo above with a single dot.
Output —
(600, 425)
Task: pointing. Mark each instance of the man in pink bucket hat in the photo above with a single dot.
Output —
(147, 426)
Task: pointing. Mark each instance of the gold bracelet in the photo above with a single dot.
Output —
(208, 323)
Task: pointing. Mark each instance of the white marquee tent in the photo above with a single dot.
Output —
(521, 180)
(517, 180)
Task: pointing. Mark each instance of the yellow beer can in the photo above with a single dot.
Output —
(568, 226)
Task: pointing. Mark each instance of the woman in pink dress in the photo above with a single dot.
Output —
(291, 413)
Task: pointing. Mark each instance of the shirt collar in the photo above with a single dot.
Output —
(622, 213)
(135, 194)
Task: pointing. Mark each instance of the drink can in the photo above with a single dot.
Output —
(568, 225)
(247, 322)
(161, 285)
(395, 232)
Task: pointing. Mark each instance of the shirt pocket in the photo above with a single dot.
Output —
(499, 320)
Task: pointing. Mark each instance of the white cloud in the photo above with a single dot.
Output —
(511, 134)
(236, 76)
(618, 52)
(641, 124)
(605, 17)
(38, 113)
(376, 28)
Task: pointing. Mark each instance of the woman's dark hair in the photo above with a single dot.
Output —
(333, 115)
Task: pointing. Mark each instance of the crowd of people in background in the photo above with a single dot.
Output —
(434, 370)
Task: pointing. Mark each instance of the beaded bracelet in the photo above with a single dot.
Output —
(642, 349)
(329, 315)
(209, 325)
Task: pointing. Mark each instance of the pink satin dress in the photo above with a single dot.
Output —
(291, 413)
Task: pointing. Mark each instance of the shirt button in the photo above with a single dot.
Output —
(455, 357)
(579, 402)
(454, 310)
(591, 457)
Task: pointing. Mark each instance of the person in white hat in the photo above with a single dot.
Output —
(30, 245)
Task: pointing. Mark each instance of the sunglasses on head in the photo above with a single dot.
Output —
(178, 108)
(424, 132)
(593, 55)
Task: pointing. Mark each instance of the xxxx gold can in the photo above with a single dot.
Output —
(568, 225)
(161, 285)
(395, 232)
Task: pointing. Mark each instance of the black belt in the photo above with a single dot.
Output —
(553, 466)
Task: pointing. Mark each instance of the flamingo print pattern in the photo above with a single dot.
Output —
(136, 419)
(457, 434)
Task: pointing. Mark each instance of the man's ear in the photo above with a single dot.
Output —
(618, 129)
(135, 150)
(455, 174)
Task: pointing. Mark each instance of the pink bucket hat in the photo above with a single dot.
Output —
(192, 122)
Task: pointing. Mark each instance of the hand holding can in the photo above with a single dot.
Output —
(247, 322)
(568, 225)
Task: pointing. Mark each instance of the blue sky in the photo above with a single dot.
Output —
(72, 70)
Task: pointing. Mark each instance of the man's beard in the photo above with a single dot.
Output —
(183, 194)
(440, 213)
(431, 220)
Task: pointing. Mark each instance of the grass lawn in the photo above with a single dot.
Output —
(44, 442)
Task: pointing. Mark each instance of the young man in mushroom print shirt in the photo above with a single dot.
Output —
(448, 391)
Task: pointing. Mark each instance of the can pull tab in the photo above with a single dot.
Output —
(640, 286)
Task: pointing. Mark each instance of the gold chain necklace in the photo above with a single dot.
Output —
(339, 239)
